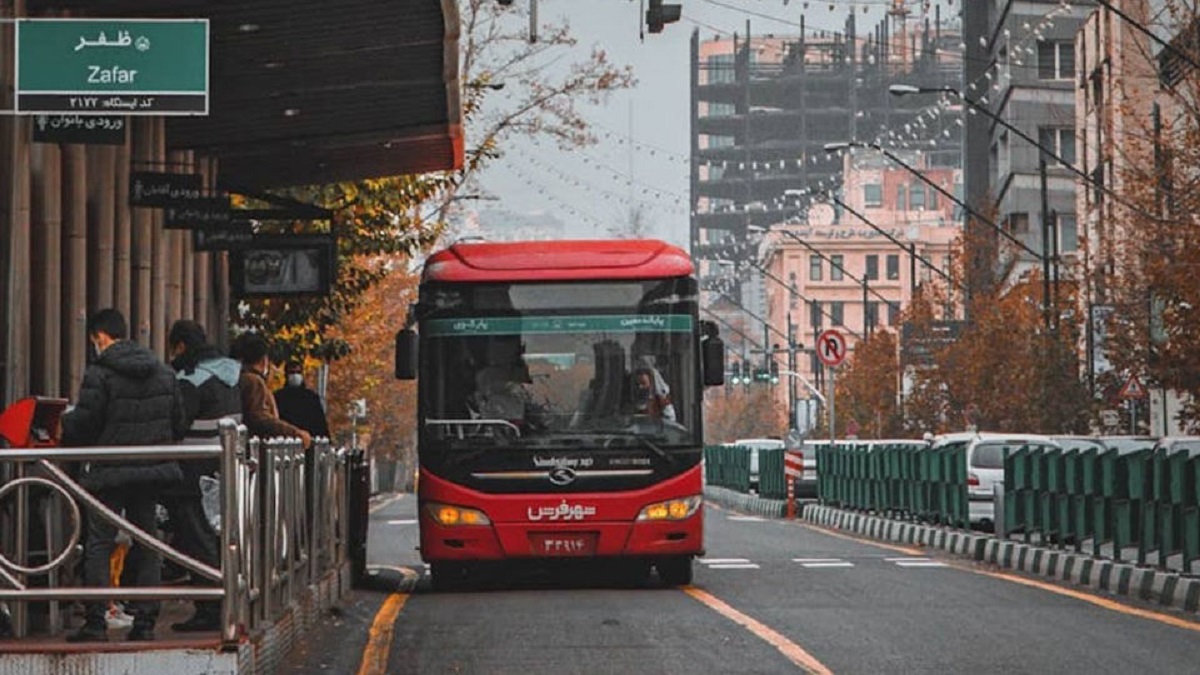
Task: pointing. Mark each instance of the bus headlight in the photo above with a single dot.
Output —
(675, 509)
(451, 516)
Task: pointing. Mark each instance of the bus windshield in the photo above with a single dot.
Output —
(580, 364)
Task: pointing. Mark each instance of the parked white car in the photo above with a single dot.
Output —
(985, 465)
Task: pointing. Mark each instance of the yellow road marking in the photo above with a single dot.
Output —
(379, 640)
(794, 652)
(1092, 599)
(1083, 596)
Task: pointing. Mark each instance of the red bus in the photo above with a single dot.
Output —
(559, 405)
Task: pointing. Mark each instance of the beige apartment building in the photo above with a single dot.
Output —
(1119, 104)
(837, 270)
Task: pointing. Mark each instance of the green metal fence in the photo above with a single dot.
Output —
(772, 483)
(1148, 499)
(727, 467)
(904, 478)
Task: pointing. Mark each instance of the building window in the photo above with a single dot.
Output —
(873, 195)
(721, 69)
(901, 200)
(933, 200)
(893, 315)
(817, 315)
(872, 267)
(893, 267)
(916, 197)
(814, 268)
(1018, 223)
(1056, 59)
(837, 313)
(1068, 234)
(872, 314)
(1060, 141)
(836, 265)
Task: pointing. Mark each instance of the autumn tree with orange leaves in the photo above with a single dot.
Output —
(1144, 261)
(868, 388)
(1009, 369)
(734, 412)
(368, 370)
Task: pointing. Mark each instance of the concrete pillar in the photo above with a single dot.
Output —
(174, 244)
(123, 235)
(220, 323)
(142, 244)
(101, 209)
(159, 260)
(7, 164)
(203, 297)
(46, 354)
(14, 229)
(187, 269)
(74, 266)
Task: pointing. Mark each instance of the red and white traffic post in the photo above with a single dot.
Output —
(793, 470)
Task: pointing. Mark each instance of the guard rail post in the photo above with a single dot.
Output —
(358, 490)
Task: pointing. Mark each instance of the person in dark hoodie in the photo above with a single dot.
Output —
(209, 384)
(128, 397)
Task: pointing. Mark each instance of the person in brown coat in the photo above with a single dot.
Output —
(259, 412)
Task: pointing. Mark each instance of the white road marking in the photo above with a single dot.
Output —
(826, 564)
(721, 561)
(402, 522)
(919, 563)
(734, 566)
(905, 559)
(815, 560)
(747, 519)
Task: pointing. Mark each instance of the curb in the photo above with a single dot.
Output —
(753, 504)
(1166, 589)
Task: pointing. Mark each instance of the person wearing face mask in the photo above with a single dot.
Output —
(300, 405)
(127, 397)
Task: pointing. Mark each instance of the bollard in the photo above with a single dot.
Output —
(998, 517)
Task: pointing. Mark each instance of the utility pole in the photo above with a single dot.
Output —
(1046, 311)
(791, 330)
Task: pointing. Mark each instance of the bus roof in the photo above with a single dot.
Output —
(558, 261)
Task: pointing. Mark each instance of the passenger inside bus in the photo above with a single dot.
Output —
(501, 389)
(650, 395)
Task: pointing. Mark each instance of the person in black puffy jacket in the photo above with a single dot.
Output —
(128, 397)
(209, 383)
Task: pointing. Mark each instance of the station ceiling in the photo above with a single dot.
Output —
(306, 91)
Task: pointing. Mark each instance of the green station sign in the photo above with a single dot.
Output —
(112, 66)
(549, 325)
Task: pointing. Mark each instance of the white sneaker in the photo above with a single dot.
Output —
(116, 617)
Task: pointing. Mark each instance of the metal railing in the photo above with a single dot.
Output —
(284, 525)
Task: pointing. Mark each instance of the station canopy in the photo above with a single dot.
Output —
(306, 92)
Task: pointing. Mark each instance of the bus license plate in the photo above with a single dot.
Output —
(557, 544)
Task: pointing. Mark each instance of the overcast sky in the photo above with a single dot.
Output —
(535, 178)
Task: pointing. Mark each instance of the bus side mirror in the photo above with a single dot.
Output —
(712, 351)
(406, 354)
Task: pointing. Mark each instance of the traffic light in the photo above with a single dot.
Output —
(659, 15)
(735, 370)
(761, 375)
(774, 371)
